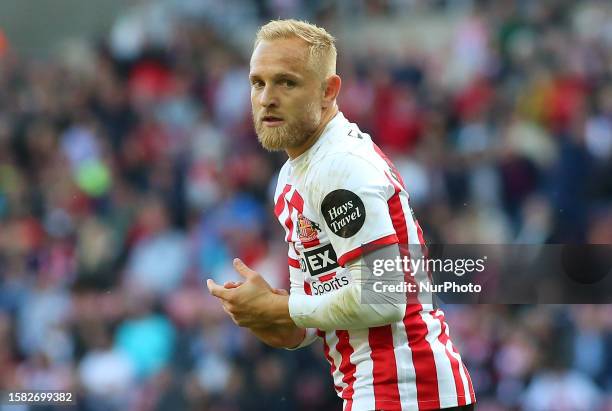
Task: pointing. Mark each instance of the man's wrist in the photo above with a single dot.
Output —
(289, 337)
(280, 311)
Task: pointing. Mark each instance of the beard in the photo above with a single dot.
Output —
(293, 133)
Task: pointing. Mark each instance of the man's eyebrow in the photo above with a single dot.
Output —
(287, 75)
(277, 76)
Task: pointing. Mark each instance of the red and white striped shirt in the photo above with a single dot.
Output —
(338, 197)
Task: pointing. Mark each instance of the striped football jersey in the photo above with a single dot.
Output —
(338, 198)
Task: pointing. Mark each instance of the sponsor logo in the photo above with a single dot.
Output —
(321, 260)
(307, 230)
(344, 212)
(320, 287)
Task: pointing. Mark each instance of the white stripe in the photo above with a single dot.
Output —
(296, 281)
(466, 386)
(413, 234)
(292, 253)
(332, 341)
(414, 245)
(464, 378)
(294, 212)
(406, 374)
(363, 387)
(444, 372)
(446, 380)
(283, 216)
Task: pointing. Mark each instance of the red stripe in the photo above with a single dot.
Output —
(471, 389)
(416, 329)
(312, 243)
(390, 164)
(327, 277)
(384, 368)
(443, 338)
(467, 376)
(422, 358)
(346, 367)
(424, 249)
(293, 262)
(297, 201)
(329, 358)
(289, 221)
(420, 233)
(398, 219)
(371, 246)
(280, 201)
(307, 288)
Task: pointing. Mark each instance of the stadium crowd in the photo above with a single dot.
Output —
(130, 173)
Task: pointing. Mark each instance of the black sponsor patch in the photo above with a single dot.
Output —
(344, 212)
(321, 260)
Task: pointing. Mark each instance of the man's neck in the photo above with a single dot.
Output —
(327, 117)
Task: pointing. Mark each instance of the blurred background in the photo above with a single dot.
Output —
(130, 173)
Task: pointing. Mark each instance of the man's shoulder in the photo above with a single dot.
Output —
(344, 169)
(346, 153)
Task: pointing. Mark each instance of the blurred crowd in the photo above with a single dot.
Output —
(130, 173)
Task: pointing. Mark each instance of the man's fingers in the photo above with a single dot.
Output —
(216, 290)
(280, 291)
(243, 269)
(232, 284)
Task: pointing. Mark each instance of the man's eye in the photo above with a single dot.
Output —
(289, 83)
(257, 84)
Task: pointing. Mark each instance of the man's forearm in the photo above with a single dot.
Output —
(344, 309)
(279, 330)
(287, 336)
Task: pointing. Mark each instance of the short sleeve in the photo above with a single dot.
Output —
(296, 277)
(351, 199)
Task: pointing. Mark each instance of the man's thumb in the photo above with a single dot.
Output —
(243, 269)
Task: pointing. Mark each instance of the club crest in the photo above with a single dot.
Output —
(307, 230)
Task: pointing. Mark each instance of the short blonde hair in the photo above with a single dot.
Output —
(321, 44)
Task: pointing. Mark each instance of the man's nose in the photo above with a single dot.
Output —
(268, 98)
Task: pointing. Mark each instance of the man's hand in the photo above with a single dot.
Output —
(252, 303)
(234, 284)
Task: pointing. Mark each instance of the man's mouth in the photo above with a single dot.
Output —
(272, 121)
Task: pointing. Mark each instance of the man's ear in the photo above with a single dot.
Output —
(332, 89)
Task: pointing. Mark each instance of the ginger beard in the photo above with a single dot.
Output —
(293, 133)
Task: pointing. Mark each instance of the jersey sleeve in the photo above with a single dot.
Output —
(296, 275)
(351, 198)
(296, 279)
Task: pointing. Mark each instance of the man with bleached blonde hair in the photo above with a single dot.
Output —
(339, 199)
(308, 77)
(321, 45)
